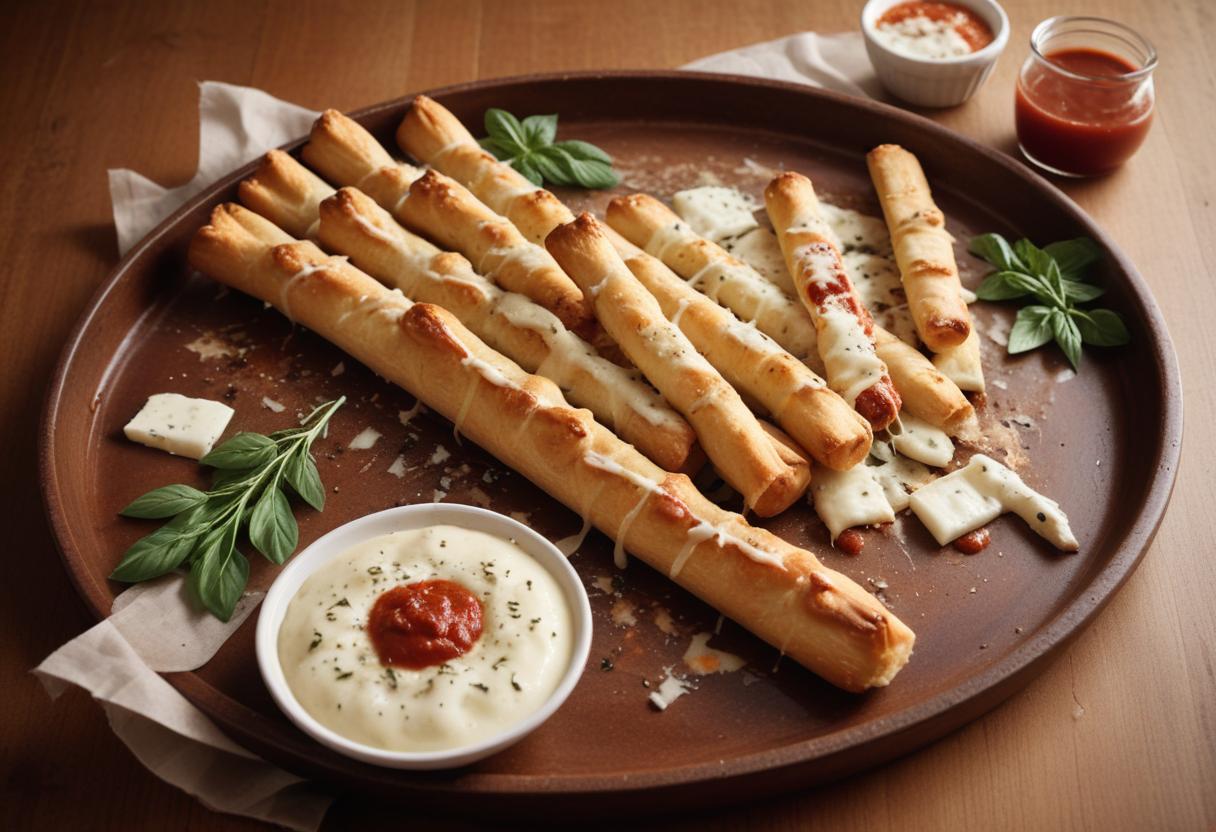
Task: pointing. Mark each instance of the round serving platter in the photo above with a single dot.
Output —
(985, 624)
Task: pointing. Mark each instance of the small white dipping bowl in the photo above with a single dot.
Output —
(934, 83)
(338, 541)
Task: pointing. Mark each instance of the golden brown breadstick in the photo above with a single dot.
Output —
(927, 393)
(783, 594)
(821, 422)
(346, 154)
(286, 193)
(432, 135)
(962, 365)
(923, 248)
(843, 327)
(650, 224)
(738, 447)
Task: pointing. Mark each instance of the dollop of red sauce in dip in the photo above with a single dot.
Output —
(424, 624)
(970, 26)
(850, 541)
(1082, 125)
(972, 543)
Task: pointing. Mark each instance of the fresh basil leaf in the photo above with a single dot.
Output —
(1064, 328)
(165, 501)
(505, 127)
(245, 450)
(526, 167)
(1101, 327)
(1077, 291)
(222, 478)
(1031, 329)
(501, 150)
(1036, 260)
(1005, 285)
(584, 151)
(154, 555)
(595, 175)
(996, 250)
(539, 131)
(1074, 256)
(301, 473)
(219, 573)
(553, 165)
(272, 526)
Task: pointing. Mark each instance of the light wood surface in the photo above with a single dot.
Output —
(1119, 734)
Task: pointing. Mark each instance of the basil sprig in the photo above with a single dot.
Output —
(1053, 276)
(529, 147)
(248, 492)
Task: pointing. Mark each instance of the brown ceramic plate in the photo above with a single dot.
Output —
(1105, 443)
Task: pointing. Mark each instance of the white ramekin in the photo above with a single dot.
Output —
(935, 83)
(404, 518)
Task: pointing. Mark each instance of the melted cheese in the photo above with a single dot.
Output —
(716, 213)
(848, 353)
(977, 494)
(898, 475)
(919, 440)
(844, 499)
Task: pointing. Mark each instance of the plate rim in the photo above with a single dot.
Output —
(980, 691)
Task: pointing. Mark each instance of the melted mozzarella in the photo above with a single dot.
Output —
(844, 499)
(716, 213)
(919, 440)
(847, 352)
(977, 494)
(898, 475)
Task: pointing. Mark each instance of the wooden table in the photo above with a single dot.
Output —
(1119, 734)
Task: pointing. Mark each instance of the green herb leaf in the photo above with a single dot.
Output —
(1031, 329)
(1101, 327)
(505, 127)
(529, 147)
(154, 555)
(1067, 336)
(165, 501)
(272, 526)
(219, 572)
(595, 175)
(527, 166)
(539, 130)
(1006, 286)
(245, 450)
(584, 151)
(301, 473)
(1074, 256)
(1078, 292)
(996, 250)
(1035, 260)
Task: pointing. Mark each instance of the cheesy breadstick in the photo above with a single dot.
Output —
(927, 393)
(843, 327)
(286, 193)
(962, 365)
(344, 153)
(923, 248)
(738, 447)
(819, 617)
(432, 135)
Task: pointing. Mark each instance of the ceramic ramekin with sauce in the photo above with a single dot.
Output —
(934, 81)
(426, 636)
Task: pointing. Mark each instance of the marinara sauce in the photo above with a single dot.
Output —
(1080, 109)
(424, 624)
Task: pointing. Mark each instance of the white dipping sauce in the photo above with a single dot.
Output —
(335, 673)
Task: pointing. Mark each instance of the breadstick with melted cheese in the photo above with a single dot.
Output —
(818, 419)
(344, 153)
(432, 135)
(923, 248)
(733, 440)
(286, 193)
(962, 365)
(927, 393)
(821, 618)
(843, 327)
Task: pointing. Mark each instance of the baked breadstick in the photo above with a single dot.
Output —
(650, 224)
(783, 594)
(843, 326)
(343, 152)
(347, 154)
(923, 249)
(927, 393)
(354, 225)
(962, 365)
(738, 447)
(821, 422)
(432, 135)
(286, 193)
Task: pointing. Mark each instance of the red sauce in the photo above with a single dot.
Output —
(972, 543)
(970, 26)
(850, 542)
(1082, 126)
(424, 624)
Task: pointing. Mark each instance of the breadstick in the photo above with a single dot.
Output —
(738, 447)
(923, 249)
(432, 135)
(843, 327)
(962, 365)
(346, 154)
(927, 393)
(286, 193)
(650, 224)
(781, 593)
(821, 422)
(354, 225)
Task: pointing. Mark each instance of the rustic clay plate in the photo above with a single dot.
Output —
(1105, 443)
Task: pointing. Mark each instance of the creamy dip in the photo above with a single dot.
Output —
(515, 662)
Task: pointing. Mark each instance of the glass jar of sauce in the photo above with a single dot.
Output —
(1084, 99)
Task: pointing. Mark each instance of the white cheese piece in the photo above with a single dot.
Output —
(366, 438)
(670, 689)
(898, 475)
(273, 406)
(398, 469)
(977, 494)
(716, 213)
(848, 352)
(702, 659)
(844, 499)
(919, 440)
(179, 424)
(759, 249)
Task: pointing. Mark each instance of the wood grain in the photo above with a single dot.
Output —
(1119, 734)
